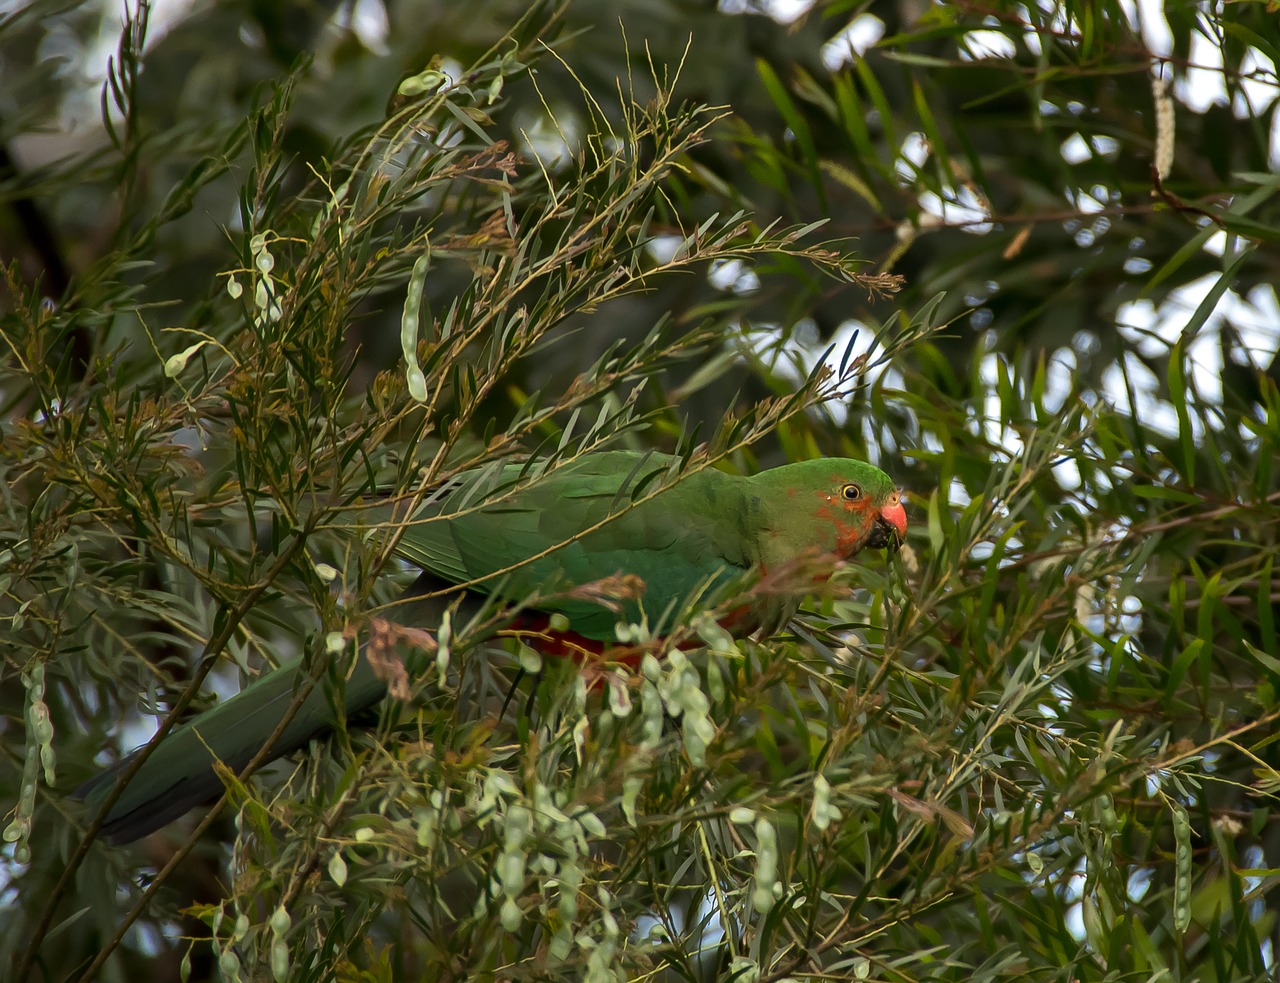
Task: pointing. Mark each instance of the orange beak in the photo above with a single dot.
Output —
(896, 516)
(891, 526)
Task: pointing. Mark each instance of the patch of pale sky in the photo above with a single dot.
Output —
(960, 207)
(794, 355)
(734, 275)
(911, 155)
(1076, 149)
(138, 728)
(1203, 86)
(782, 11)
(1142, 402)
(368, 21)
(963, 209)
(663, 248)
(993, 424)
(977, 45)
(958, 495)
(699, 921)
(163, 17)
(1258, 88)
(852, 42)
(1104, 146)
(1056, 12)
(452, 69)
(1030, 38)
(789, 11)
(1059, 376)
(1074, 920)
(1254, 858)
(1088, 201)
(1153, 330)
(1273, 151)
(1147, 18)
(548, 139)
(1255, 319)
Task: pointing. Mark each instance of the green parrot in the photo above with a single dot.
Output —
(604, 539)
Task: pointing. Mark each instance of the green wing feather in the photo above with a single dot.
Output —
(496, 534)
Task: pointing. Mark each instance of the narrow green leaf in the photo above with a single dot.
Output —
(1178, 396)
(796, 123)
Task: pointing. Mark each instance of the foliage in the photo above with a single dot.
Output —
(1035, 744)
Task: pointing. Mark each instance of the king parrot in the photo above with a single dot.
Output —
(520, 531)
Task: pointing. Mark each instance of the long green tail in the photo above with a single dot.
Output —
(179, 774)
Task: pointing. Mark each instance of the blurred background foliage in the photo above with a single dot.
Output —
(1037, 744)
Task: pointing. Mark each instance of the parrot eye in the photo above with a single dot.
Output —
(851, 493)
